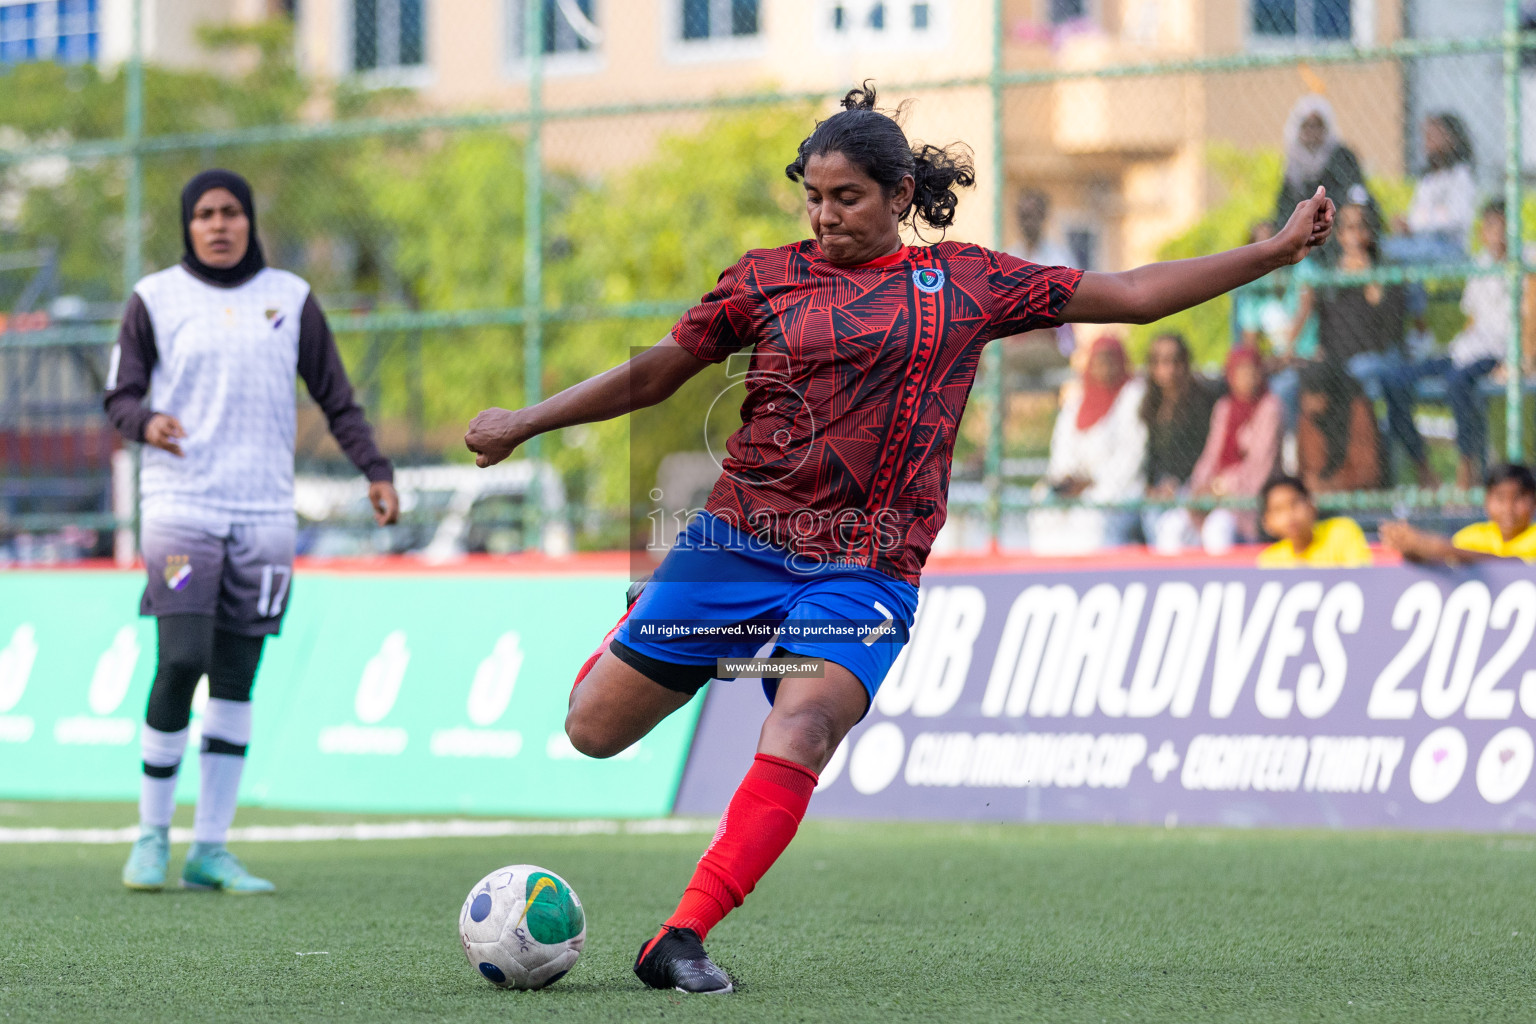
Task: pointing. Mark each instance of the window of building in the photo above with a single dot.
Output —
(388, 34)
(1302, 21)
(883, 19)
(719, 19)
(570, 27)
(1083, 243)
(61, 30)
(1063, 11)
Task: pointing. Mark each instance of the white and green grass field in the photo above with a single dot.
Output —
(858, 922)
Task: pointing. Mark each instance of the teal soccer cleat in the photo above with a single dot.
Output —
(211, 866)
(148, 860)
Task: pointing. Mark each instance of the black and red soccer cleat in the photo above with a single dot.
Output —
(677, 960)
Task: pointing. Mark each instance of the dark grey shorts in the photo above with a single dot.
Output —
(240, 574)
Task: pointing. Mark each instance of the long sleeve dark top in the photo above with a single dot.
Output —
(319, 365)
(1174, 444)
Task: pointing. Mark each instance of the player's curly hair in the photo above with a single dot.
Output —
(873, 140)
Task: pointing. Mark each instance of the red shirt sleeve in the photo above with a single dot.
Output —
(723, 322)
(1027, 296)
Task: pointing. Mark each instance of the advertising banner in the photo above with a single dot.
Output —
(1389, 697)
(386, 692)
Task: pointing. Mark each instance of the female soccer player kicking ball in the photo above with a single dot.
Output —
(835, 485)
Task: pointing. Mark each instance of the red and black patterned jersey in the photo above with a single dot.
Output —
(855, 387)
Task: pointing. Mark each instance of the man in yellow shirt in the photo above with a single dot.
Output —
(1290, 515)
(1509, 498)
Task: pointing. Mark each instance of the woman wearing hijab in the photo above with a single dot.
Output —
(1241, 449)
(1338, 446)
(203, 374)
(1314, 155)
(1097, 452)
(1244, 440)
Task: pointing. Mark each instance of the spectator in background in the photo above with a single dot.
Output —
(1097, 450)
(1478, 350)
(1338, 447)
(1266, 314)
(1237, 455)
(1032, 213)
(1301, 541)
(1241, 450)
(1361, 327)
(1444, 200)
(1259, 307)
(1176, 411)
(1315, 155)
(1510, 502)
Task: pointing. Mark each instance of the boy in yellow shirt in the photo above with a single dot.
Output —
(1290, 515)
(1509, 498)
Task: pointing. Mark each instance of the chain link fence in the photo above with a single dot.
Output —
(492, 257)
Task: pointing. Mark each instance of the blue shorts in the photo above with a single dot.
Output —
(723, 593)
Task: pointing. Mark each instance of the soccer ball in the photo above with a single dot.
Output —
(522, 927)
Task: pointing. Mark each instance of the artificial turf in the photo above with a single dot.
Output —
(858, 922)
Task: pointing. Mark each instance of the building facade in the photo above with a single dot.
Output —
(1124, 160)
(101, 31)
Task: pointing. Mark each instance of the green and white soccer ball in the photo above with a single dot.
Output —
(522, 927)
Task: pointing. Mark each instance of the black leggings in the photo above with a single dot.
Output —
(191, 647)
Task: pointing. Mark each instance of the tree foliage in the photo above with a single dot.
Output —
(77, 208)
(664, 230)
(427, 222)
(1251, 181)
(450, 212)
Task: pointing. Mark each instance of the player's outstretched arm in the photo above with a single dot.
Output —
(1426, 548)
(643, 380)
(1157, 290)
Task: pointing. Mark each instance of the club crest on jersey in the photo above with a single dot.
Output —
(928, 279)
(178, 570)
(275, 317)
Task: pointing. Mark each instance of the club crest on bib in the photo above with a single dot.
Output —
(928, 279)
(178, 570)
(274, 317)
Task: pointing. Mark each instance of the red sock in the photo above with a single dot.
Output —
(762, 818)
(587, 666)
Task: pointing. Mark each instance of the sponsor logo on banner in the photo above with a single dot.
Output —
(489, 694)
(16, 661)
(1374, 697)
(1438, 764)
(377, 691)
(377, 752)
(1505, 765)
(109, 685)
(558, 747)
